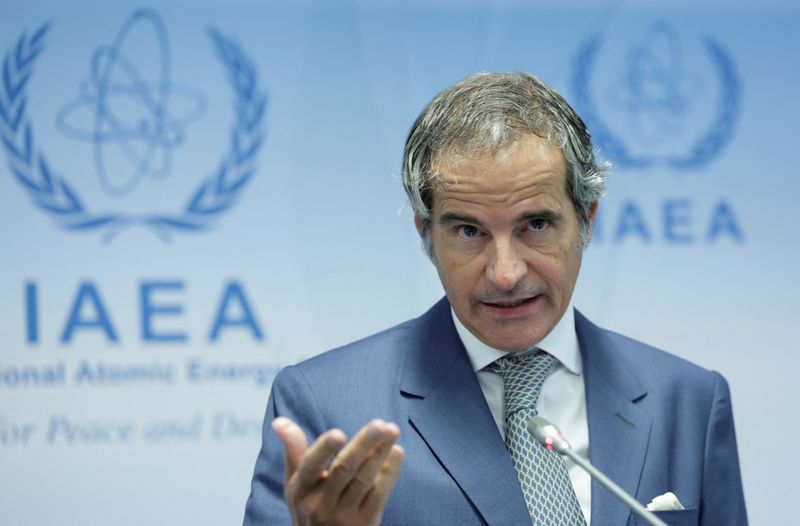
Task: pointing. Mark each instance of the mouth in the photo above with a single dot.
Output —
(513, 308)
(509, 304)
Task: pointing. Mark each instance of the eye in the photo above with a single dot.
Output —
(538, 225)
(467, 231)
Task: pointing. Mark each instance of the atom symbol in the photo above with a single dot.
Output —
(130, 118)
(655, 88)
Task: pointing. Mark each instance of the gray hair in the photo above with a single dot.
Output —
(489, 112)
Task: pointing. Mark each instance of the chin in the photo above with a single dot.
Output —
(514, 343)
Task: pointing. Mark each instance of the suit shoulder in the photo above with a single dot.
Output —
(653, 367)
(654, 355)
(347, 386)
(667, 372)
(377, 350)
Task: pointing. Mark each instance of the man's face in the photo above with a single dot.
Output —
(505, 238)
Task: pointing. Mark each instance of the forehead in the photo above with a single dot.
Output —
(531, 168)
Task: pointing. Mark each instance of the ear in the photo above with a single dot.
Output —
(418, 223)
(593, 216)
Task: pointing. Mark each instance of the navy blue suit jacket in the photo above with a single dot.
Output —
(657, 423)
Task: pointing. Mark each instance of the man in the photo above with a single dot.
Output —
(504, 185)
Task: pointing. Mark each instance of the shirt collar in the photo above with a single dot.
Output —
(561, 342)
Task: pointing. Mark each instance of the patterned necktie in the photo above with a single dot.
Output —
(542, 474)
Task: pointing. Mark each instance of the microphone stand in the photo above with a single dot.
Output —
(550, 437)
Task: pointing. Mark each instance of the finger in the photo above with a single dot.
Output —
(294, 441)
(364, 478)
(312, 466)
(375, 500)
(348, 461)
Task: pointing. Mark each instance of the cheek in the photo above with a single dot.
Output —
(454, 276)
(559, 269)
(459, 278)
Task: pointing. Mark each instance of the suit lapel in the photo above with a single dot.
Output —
(619, 430)
(450, 413)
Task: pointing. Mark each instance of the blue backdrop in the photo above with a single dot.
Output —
(195, 195)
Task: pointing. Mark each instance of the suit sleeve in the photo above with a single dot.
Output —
(291, 397)
(723, 496)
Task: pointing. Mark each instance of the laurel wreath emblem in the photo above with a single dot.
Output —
(53, 194)
(705, 148)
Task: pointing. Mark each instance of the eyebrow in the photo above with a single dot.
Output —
(453, 217)
(550, 215)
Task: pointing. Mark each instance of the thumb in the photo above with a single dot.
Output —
(294, 442)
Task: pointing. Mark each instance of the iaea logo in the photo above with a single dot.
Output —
(133, 122)
(659, 101)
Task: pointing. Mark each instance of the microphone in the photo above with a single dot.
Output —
(550, 437)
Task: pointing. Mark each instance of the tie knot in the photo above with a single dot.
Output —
(523, 376)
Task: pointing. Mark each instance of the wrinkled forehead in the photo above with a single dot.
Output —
(449, 165)
(449, 161)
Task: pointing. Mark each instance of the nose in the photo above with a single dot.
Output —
(506, 267)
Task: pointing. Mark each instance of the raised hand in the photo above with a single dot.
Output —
(335, 482)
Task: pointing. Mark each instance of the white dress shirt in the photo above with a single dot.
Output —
(562, 399)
